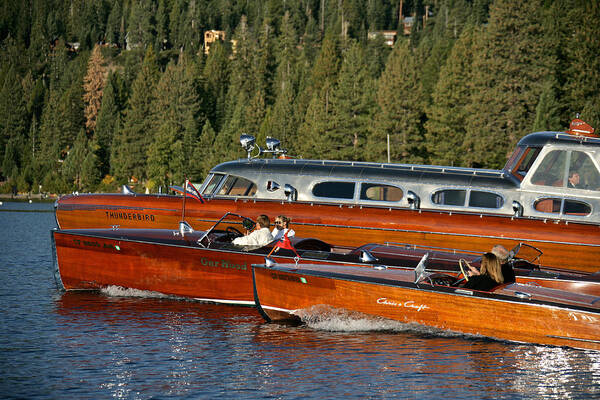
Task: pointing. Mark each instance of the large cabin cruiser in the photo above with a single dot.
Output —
(548, 195)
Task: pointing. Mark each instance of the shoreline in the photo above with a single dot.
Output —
(37, 197)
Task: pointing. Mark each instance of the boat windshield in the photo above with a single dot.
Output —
(524, 251)
(228, 222)
(521, 161)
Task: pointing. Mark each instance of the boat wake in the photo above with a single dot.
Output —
(326, 318)
(119, 291)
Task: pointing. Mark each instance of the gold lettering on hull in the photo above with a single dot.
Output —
(130, 216)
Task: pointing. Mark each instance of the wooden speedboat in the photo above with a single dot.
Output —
(513, 312)
(350, 203)
(205, 265)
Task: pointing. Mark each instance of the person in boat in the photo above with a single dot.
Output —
(259, 236)
(489, 275)
(282, 226)
(574, 180)
(507, 270)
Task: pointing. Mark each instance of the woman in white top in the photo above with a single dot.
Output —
(282, 225)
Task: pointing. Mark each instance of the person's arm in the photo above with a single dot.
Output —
(245, 240)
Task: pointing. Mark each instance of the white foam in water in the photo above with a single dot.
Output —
(119, 291)
(331, 319)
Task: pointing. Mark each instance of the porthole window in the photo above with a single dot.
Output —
(380, 192)
(548, 205)
(450, 197)
(334, 190)
(573, 207)
(485, 199)
(569, 207)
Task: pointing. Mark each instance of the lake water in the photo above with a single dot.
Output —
(135, 345)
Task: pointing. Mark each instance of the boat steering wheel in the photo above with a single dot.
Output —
(462, 272)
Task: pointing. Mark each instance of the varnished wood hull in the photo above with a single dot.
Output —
(86, 262)
(574, 246)
(285, 293)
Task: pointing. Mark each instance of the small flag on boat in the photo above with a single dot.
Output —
(284, 243)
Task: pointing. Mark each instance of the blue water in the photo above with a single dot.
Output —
(128, 345)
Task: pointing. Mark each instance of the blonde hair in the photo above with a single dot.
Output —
(490, 265)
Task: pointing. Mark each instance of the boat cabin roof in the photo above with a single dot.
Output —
(536, 181)
(540, 139)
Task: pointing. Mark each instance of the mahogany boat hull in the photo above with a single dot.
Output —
(93, 262)
(285, 293)
(349, 225)
(166, 262)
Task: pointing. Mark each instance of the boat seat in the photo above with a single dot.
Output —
(312, 244)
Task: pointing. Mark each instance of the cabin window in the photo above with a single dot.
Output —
(551, 170)
(548, 205)
(212, 184)
(530, 156)
(450, 197)
(582, 165)
(335, 190)
(521, 161)
(485, 199)
(569, 207)
(574, 207)
(380, 192)
(236, 186)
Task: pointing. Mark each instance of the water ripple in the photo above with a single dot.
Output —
(139, 345)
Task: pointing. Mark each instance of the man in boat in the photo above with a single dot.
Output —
(574, 180)
(507, 271)
(259, 237)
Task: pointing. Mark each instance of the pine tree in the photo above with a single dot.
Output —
(139, 122)
(162, 26)
(241, 89)
(13, 118)
(582, 64)
(282, 121)
(204, 154)
(320, 112)
(547, 112)
(510, 67)
(177, 106)
(107, 123)
(72, 167)
(93, 86)
(447, 116)
(115, 24)
(353, 102)
(62, 120)
(216, 73)
(140, 24)
(401, 110)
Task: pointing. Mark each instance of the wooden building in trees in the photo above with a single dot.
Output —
(389, 36)
(212, 36)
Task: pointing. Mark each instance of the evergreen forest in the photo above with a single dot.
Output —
(98, 93)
